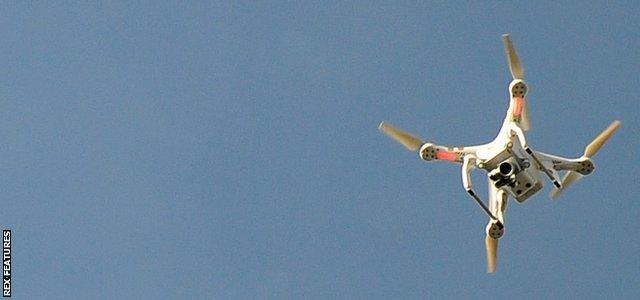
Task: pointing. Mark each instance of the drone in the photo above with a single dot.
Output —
(513, 168)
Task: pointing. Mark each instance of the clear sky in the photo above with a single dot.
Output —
(230, 150)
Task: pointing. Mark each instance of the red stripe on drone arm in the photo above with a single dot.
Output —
(519, 104)
(444, 155)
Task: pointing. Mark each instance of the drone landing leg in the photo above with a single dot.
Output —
(541, 166)
(484, 207)
(467, 166)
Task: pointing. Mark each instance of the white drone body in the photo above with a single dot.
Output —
(513, 168)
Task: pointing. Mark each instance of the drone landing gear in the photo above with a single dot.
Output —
(467, 166)
(484, 207)
(542, 167)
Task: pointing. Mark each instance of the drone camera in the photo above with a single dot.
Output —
(514, 177)
(505, 173)
(506, 169)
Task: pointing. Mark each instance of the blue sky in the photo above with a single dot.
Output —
(230, 150)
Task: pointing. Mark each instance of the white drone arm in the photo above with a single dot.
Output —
(560, 163)
(578, 167)
(427, 151)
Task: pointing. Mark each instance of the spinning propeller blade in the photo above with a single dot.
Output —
(517, 70)
(589, 151)
(409, 141)
(492, 253)
(597, 143)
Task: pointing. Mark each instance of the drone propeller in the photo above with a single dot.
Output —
(409, 141)
(602, 138)
(517, 72)
(492, 253)
(572, 177)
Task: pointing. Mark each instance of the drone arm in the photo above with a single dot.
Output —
(468, 164)
(575, 167)
(429, 152)
(582, 165)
